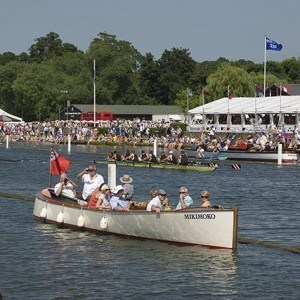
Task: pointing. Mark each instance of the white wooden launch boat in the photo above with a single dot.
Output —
(212, 227)
(288, 157)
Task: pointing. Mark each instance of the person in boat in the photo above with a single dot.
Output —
(65, 188)
(117, 201)
(133, 156)
(117, 156)
(163, 156)
(200, 152)
(183, 158)
(110, 156)
(100, 198)
(127, 186)
(91, 181)
(152, 158)
(104, 198)
(166, 204)
(185, 199)
(205, 199)
(143, 156)
(153, 194)
(171, 158)
(127, 156)
(156, 204)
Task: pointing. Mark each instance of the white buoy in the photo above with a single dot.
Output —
(80, 221)
(60, 217)
(111, 174)
(43, 213)
(103, 223)
(155, 147)
(69, 143)
(7, 140)
(279, 154)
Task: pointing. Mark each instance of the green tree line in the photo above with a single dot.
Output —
(37, 85)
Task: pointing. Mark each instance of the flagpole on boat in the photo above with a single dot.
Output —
(50, 171)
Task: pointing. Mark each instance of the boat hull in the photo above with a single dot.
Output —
(216, 228)
(287, 157)
(196, 167)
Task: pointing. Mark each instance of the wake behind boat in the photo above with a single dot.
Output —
(211, 227)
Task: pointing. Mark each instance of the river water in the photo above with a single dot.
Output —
(41, 261)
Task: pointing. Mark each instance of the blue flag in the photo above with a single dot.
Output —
(272, 45)
(190, 93)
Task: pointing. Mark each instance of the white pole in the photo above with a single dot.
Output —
(69, 143)
(111, 174)
(255, 104)
(7, 140)
(265, 66)
(187, 100)
(280, 97)
(94, 93)
(279, 154)
(155, 147)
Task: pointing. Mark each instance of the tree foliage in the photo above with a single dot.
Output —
(38, 84)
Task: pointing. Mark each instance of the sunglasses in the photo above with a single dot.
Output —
(107, 190)
(204, 196)
(91, 170)
(182, 192)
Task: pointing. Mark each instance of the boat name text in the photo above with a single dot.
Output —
(200, 216)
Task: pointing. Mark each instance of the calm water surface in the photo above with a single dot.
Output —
(40, 261)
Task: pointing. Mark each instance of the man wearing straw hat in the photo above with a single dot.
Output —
(127, 186)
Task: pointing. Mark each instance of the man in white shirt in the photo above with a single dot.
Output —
(156, 203)
(91, 181)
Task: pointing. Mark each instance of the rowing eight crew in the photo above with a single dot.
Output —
(150, 157)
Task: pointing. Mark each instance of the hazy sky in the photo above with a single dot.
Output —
(210, 29)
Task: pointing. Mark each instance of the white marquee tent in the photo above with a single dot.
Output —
(6, 117)
(243, 105)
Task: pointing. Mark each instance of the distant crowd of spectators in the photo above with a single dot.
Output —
(143, 132)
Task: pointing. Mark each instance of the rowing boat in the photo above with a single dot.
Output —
(211, 227)
(192, 167)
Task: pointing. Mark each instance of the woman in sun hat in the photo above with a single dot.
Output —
(127, 186)
(117, 201)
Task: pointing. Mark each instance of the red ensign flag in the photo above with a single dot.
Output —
(58, 164)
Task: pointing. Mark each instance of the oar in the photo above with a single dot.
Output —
(15, 196)
(234, 166)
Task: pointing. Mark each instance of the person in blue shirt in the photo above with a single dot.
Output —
(117, 201)
(185, 200)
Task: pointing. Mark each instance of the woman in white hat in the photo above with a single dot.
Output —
(127, 186)
(117, 201)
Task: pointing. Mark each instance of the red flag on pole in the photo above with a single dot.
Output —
(58, 163)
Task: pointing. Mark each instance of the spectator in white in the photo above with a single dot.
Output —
(91, 181)
(184, 199)
(117, 201)
(263, 141)
(127, 186)
(156, 204)
(66, 187)
(200, 152)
